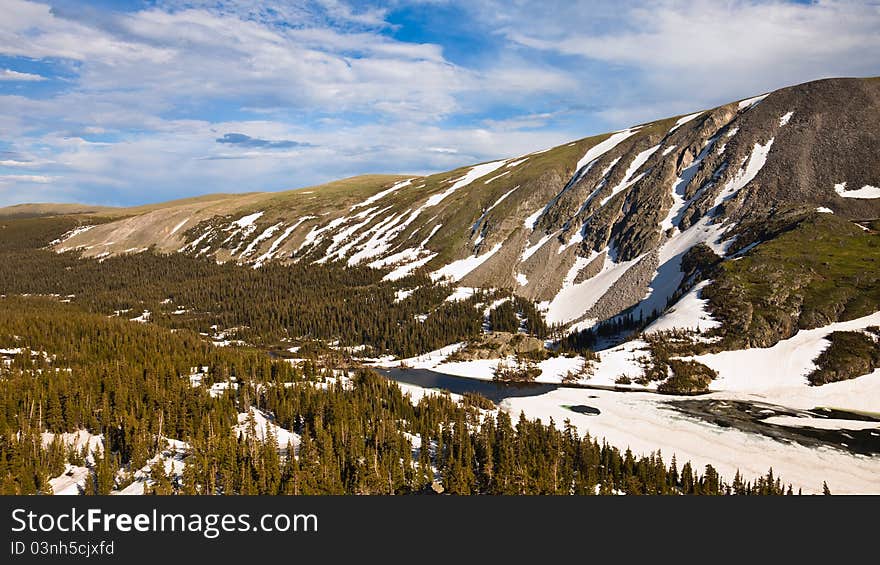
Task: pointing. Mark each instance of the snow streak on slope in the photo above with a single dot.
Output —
(267, 233)
(489, 209)
(628, 179)
(598, 188)
(248, 221)
(749, 103)
(602, 148)
(584, 165)
(277, 243)
(529, 251)
(457, 270)
(496, 177)
(469, 177)
(178, 226)
(529, 223)
(744, 176)
(380, 238)
(407, 260)
(339, 238)
(574, 300)
(376, 197)
(668, 275)
(679, 188)
(69, 235)
(685, 120)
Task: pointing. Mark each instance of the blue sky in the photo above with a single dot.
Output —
(129, 102)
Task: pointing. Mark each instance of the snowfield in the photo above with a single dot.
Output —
(783, 366)
(644, 422)
(689, 313)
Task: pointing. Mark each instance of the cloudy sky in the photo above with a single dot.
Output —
(128, 102)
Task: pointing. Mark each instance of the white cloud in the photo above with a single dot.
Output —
(41, 179)
(714, 51)
(10, 75)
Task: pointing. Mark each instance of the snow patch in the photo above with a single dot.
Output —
(866, 191)
(750, 103)
(684, 120)
(628, 179)
(688, 313)
(247, 221)
(785, 364)
(574, 300)
(379, 196)
(473, 174)
(746, 175)
(457, 270)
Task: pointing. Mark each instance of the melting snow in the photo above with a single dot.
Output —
(751, 102)
(267, 233)
(72, 233)
(376, 197)
(263, 425)
(408, 268)
(684, 120)
(744, 176)
(574, 300)
(866, 191)
(401, 295)
(457, 270)
(529, 251)
(277, 243)
(785, 119)
(688, 313)
(249, 220)
(786, 364)
(497, 177)
(824, 210)
(530, 222)
(143, 318)
(604, 147)
(628, 181)
(461, 293)
(472, 175)
(679, 188)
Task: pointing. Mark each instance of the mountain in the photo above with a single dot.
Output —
(731, 253)
(590, 230)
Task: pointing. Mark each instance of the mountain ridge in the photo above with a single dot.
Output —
(592, 229)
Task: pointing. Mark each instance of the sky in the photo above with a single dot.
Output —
(131, 102)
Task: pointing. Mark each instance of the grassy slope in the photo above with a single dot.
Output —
(824, 269)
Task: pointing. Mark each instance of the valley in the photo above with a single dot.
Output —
(705, 286)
